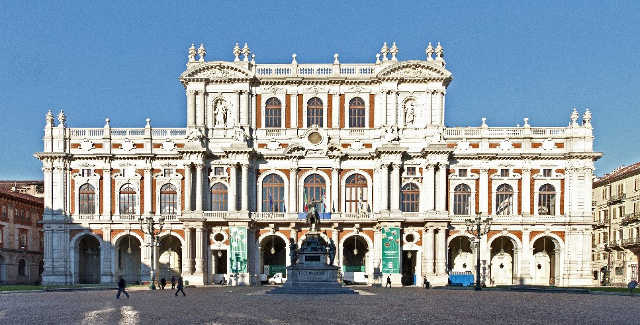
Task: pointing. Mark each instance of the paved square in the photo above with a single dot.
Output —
(232, 305)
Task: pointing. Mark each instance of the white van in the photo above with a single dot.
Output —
(277, 279)
(355, 278)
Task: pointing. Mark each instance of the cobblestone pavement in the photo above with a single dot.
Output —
(230, 305)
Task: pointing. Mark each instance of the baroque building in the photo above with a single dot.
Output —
(365, 143)
(616, 234)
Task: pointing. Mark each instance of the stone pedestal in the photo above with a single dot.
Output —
(310, 273)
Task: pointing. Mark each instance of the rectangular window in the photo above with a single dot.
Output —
(546, 172)
(167, 172)
(86, 172)
(462, 173)
(504, 173)
(411, 171)
(218, 171)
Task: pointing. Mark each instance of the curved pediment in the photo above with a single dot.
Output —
(216, 71)
(415, 70)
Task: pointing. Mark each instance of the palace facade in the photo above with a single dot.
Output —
(365, 143)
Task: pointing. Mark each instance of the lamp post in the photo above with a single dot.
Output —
(148, 226)
(478, 227)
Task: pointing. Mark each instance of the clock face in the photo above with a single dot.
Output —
(314, 138)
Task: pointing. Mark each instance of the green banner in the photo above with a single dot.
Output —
(238, 257)
(391, 250)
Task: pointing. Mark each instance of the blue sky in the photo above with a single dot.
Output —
(509, 60)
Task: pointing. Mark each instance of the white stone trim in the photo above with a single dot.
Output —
(347, 98)
(285, 179)
(324, 97)
(93, 180)
(513, 182)
(343, 188)
(283, 107)
(119, 182)
(327, 187)
(175, 180)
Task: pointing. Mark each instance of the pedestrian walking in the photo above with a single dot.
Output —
(121, 288)
(180, 287)
(163, 283)
(388, 281)
(426, 283)
(173, 282)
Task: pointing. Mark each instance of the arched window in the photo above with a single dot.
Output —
(314, 112)
(547, 200)
(272, 113)
(409, 198)
(314, 191)
(272, 194)
(461, 200)
(356, 193)
(219, 197)
(168, 199)
(22, 267)
(87, 199)
(127, 200)
(356, 113)
(504, 200)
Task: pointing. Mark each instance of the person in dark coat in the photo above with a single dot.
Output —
(173, 282)
(121, 288)
(180, 287)
(388, 281)
(163, 283)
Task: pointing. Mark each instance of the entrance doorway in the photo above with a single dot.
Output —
(219, 265)
(409, 258)
(274, 256)
(88, 260)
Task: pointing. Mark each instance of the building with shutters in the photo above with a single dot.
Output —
(365, 143)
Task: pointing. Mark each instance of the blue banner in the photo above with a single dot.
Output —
(323, 216)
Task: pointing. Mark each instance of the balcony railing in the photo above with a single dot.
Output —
(630, 218)
(316, 70)
(616, 198)
(130, 133)
(500, 132)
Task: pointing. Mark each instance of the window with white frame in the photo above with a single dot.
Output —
(546, 172)
(272, 193)
(356, 113)
(127, 198)
(461, 200)
(218, 171)
(547, 200)
(504, 172)
(219, 197)
(86, 173)
(314, 112)
(168, 199)
(86, 199)
(411, 171)
(410, 198)
(504, 200)
(273, 113)
(355, 193)
(462, 172)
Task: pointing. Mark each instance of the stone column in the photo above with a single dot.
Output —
(525, 256)
(441, 246)
(395, 188)
(483, 193)
(428, 247)
(191, 108)
(526, 194)
(199, 249)
(106, 193)
(187, 188)
(293, 190)
(187, 259)
(147, 192)
(233, 188)
(430, 189)
(441, 199)
(245, 187)
(244, 108)
(199, 168)
(200, 108)
(384, 187)
(335, 188)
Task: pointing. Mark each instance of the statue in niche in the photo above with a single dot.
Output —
(332, 251)
(410, 112)
(221, 113)
(293, 251)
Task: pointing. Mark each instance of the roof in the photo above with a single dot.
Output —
(617, 174)
(5, 190)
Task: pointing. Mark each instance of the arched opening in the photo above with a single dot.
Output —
(356, 113)
(128, 259)
(170, 257)
(22, 268)
(3, 270)
(545, 261)
(168, 199)
(547, 200)
(354, 259)
(461, 255)
(410, 198)
(504, 200)
(502, 261)
(356, 194)
(461, 200)
(127, 199)
(88, 258)
(314, 112)
(272, 193)
(272, 113)
(86, 199)
(273, 256)
(314, 191)
(219, 197)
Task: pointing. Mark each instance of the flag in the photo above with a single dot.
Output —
(304, 202)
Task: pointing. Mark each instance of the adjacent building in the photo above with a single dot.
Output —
(616, 234)
(20, 232)
(366, 143)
